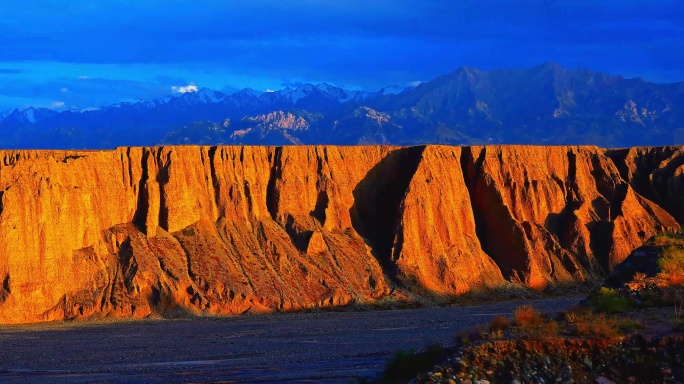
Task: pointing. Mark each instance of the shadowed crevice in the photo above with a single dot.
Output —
(601, 242)
(214, 179)
(5, 290)
(322, 202)
(470, 175)
(272, 195)
(376, 213)
(500, 238)
(142, 206)
(163, 179)
(558, 224)
(654, 176)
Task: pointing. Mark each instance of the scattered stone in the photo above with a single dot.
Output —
(603, 380)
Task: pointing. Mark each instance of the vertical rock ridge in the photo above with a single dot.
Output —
(437, 251)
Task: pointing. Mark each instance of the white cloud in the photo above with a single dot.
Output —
(415, 83)
(84, 77)
(57, 104)
(64, 89)
(185, 89)
(270, 91)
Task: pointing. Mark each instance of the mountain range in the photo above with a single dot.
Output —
(546, 105)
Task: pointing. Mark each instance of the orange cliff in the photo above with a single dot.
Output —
(223, 230)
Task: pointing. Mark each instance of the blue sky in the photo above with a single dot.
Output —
(63, 54)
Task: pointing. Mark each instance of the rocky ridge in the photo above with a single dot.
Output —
(135, 232)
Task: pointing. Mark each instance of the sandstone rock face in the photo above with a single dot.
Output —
(556, 214)
(437, 249)
(656, 173)
(223, 230)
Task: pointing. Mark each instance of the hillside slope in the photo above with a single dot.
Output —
(224, 230)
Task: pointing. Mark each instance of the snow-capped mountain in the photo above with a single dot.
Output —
(146, 122)
(28, 116)
(546, 104)
(391, 90)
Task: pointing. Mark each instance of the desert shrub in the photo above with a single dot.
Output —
(532, 324)
(671, 264)
(608, 301)
(526, 316)
(498, 323)
(573, 317)
(639, 276)
(405, 365)
(671, 260)
(540, 331)
(596, 325)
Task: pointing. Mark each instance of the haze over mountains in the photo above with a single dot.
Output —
(547, 104)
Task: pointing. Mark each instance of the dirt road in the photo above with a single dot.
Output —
(306, 347)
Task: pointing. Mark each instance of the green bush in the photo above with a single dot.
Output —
(671, 260)
(667, 238)
(608, 301)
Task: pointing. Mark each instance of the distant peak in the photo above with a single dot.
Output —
(205, 91)
(251, 91)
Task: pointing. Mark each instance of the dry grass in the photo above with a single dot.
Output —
(498, 323)
(573, 317)
(639, 276)
(527, 316)
(671, 260)
(542, 331)
(594, 325)
(675, 278)
(532, 324)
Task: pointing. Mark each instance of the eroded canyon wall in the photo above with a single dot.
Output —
(224, 230)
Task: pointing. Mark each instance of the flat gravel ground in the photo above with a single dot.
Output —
(299, 347)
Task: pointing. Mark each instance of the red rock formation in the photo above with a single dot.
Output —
(556, 214)
(656, 173)
(437, 249)
(223, 230)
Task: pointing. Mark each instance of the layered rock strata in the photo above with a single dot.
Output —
(223, 230)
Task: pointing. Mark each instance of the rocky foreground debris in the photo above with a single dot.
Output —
(629, 331)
